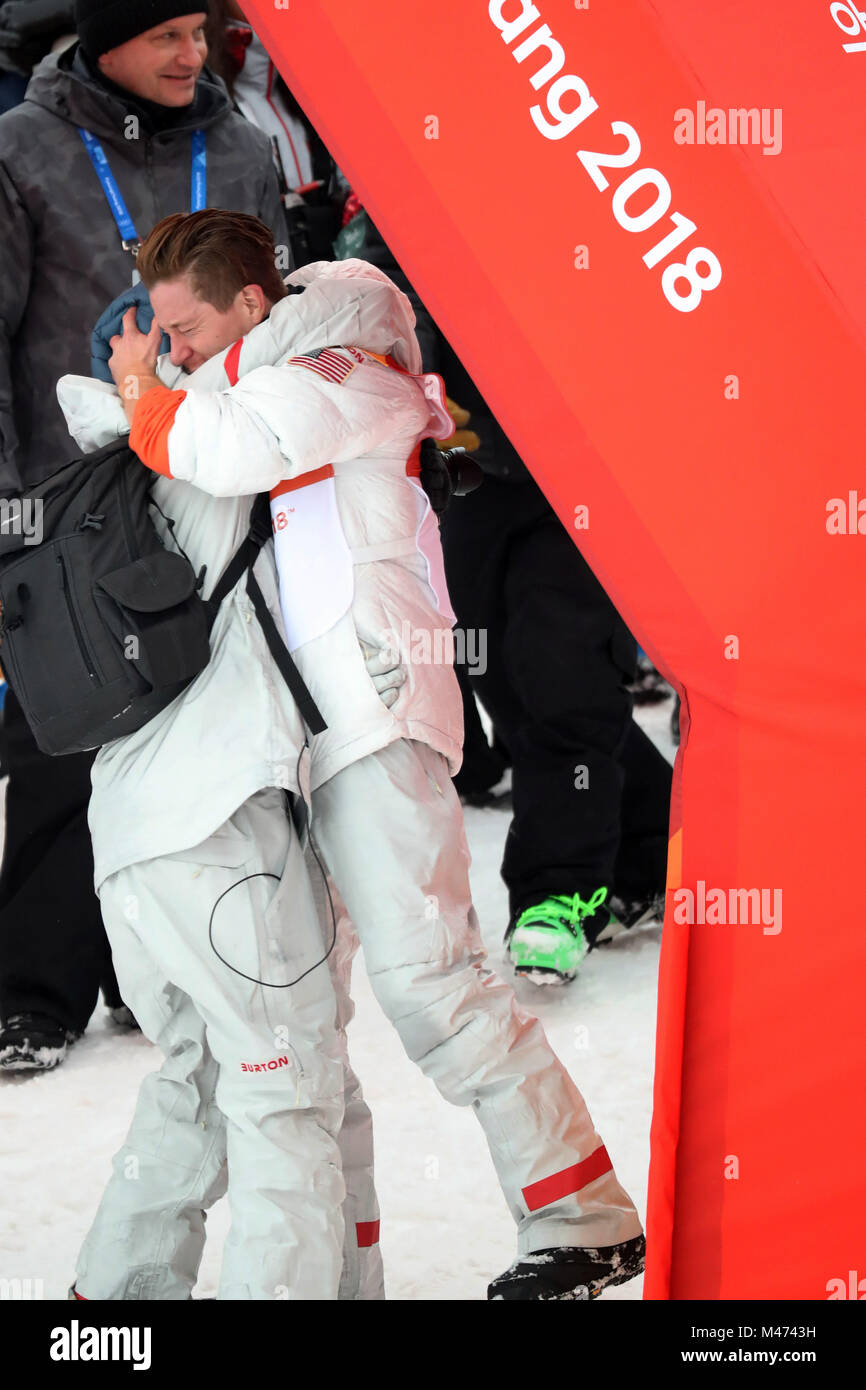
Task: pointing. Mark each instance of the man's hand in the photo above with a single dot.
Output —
(386, 673)
(133, 361)
(462, 438)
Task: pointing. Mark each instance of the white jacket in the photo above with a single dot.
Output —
(277, 425)
(258, 97)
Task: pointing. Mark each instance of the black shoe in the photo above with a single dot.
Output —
(570, 1272)
(122, 1017)
(34, 1042)
(627, 913)
(649, 686)
(496, 798)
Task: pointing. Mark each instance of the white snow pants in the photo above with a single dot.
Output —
(362, 1277)
(251, 1092)
(390, 829)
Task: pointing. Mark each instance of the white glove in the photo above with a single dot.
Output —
(387, 677)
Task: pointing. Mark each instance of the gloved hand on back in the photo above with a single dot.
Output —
(386, 673)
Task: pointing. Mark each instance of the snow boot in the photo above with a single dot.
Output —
(34, 1042)
(624, 914)
(123, 1018)
(499, 797)
(649, 686)
(571, 1272)
(547, 942)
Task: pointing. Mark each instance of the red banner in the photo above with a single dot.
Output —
(670, 328)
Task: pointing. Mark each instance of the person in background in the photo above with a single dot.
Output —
(586, 852)
(29, 29)
(134, 100)
(314, 191)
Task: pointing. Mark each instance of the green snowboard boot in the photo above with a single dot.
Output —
(547, 942)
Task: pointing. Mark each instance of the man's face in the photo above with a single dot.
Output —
(163, 64)
(197, 329)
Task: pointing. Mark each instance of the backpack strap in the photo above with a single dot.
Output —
(309, 710)
(242, 562)
(246, 555)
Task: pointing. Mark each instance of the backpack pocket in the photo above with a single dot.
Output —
(153, 610)
(45, 631)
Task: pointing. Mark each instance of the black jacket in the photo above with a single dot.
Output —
(61, 260)
(28, 28)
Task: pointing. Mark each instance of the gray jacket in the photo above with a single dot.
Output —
(61, 259)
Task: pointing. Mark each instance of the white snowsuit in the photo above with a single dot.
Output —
(183, 811)
(251, 1087)
(337, 430)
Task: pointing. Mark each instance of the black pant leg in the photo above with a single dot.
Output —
(482, 765)
(54, 953)
(641, 864)
(569, 655)
(474, 543)
(558, 658)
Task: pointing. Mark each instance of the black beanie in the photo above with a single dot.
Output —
(106, 24)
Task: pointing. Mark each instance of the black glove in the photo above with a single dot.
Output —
(447, 474)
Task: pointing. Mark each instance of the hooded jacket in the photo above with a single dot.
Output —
(332, 443)
(315, 213)
(29, 28)
(61, 259)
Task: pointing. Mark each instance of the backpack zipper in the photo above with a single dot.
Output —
(83, 647)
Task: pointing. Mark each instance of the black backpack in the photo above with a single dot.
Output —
(101, 626)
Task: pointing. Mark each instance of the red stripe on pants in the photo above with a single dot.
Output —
(368, 1233)
(567, 1181)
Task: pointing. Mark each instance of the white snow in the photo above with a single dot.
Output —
(445, 1227)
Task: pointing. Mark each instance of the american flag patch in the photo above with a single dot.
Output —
(328, 364)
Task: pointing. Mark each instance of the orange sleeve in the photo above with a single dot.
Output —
(151, 426)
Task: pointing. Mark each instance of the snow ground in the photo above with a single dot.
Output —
(445, 1227)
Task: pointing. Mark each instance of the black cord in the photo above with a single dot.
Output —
(308, 826)
(169, 522)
